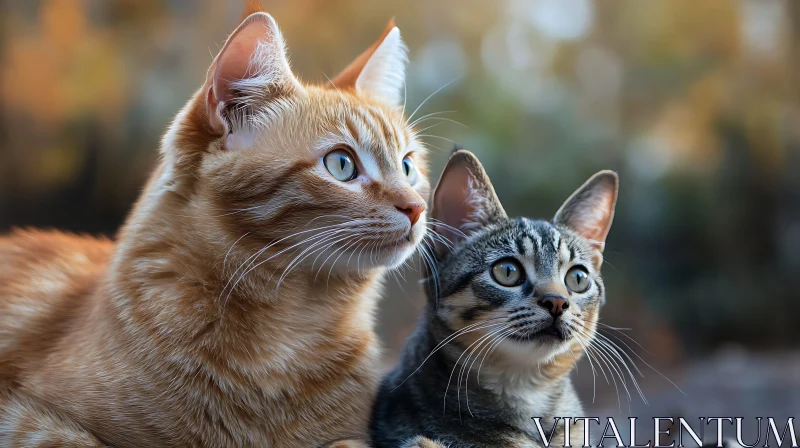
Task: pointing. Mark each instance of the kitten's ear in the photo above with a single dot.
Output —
(379, 71)
(252, 67)
(464, 199)
(590, 209)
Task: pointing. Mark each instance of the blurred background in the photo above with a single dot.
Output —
(695, 103)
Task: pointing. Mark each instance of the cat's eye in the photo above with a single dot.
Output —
(577, 279)
(410, 170)
(341, 165)
(507, 272)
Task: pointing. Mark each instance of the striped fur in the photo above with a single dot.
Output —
(502, 333)
(236, 306)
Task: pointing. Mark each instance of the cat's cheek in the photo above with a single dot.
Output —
(355, 186)
(396, 259)
(423, 188)
(418, 230)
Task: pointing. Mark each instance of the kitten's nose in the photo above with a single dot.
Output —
(555, 304)
(413, 210)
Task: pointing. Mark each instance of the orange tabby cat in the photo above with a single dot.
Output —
(236, 307)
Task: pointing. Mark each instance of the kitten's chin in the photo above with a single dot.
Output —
(532, 351)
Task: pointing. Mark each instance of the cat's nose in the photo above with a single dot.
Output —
(555, 304)
(413, 210)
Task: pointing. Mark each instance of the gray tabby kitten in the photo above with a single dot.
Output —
(510, 306)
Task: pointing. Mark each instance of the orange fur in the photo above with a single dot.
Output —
(163, 340)
(347, 78)
(252, 7)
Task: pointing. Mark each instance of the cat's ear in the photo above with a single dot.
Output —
(251, 68)
(464, 199)
(379, 71)
(590, 209)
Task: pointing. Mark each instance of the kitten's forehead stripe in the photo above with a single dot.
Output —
(538, 239)
(546, 255)
(527, 246)
(563, 250)
(556, 239)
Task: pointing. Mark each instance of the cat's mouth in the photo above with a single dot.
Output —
(391, 249)
(395, 250)
(396, 243)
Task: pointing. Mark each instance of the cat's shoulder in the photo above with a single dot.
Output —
(38, 268)
(23, 249)
(46, 279)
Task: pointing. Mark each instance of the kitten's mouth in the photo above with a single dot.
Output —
(551, 333)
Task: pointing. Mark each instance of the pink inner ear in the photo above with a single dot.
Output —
(451, 202)
(234, 60)
(594, 220)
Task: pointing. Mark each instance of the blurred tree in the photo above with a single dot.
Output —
(694, 103)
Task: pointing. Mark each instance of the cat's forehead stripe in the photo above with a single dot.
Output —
(377, 130)
(365, 137)
(352, 129)
(386, 128)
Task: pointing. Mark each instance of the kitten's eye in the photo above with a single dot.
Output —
(507, 272)
(340, 164)
(410, 170)
(577, 279)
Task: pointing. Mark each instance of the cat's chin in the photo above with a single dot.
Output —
(394, 254)
(362, 259)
